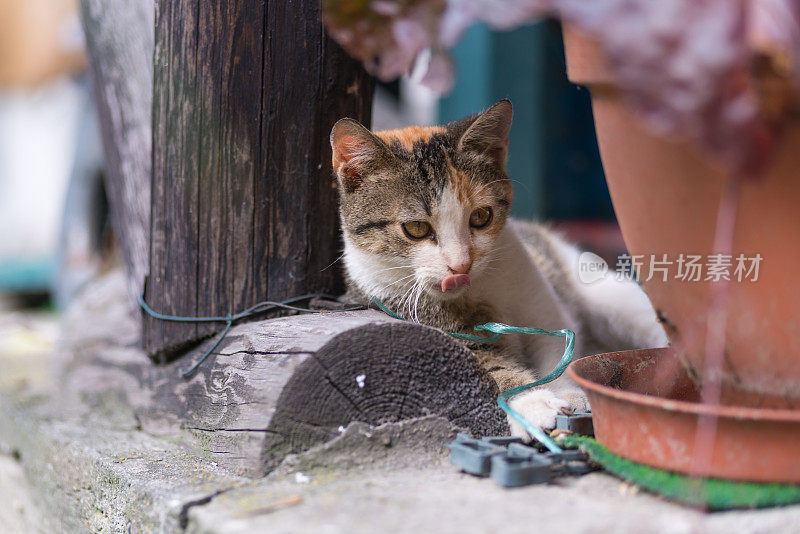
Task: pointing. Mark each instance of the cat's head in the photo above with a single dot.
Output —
(421, 208)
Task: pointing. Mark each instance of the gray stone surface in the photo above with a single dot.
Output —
(103, 474)
(18, 513)
(77, 461)
(439, 499)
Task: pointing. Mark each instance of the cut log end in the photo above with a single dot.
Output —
(381, 373)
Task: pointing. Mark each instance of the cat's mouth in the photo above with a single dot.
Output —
(454, 282)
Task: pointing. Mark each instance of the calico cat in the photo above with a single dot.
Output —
(425, 217)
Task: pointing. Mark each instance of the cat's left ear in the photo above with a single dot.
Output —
(487, 136)
(357, 153)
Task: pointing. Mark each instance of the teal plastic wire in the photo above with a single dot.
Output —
(499, 329)
(480, 339)
(229, 319)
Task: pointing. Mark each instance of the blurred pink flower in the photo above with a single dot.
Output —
(387, 35)
(684, 64)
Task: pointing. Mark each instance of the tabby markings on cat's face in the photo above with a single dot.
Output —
(422, 207)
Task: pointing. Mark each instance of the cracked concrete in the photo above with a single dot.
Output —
(413, 443)
(392, 478)
(18, 513)
(88, 476)
(77, 463)
(440, 499)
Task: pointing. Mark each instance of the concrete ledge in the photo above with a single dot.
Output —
(108, 475)
(77, 459)
(106, 478)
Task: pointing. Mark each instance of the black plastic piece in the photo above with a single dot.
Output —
(472, 455)
(570, 462)
(501, 441)
(512, 464)
(520, 467)
(579, 423)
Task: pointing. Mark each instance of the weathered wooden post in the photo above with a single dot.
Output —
(119, 41)
(244, 204)
(244, 209)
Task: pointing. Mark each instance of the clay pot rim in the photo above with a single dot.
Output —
(676, 406)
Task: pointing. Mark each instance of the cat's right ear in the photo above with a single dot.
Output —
(487, 136)
(357, 153)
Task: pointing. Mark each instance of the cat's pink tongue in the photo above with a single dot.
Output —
(455, 281)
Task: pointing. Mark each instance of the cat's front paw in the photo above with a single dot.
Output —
(540, 407)
(575, 398)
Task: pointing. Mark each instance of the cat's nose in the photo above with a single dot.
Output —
(460, 268)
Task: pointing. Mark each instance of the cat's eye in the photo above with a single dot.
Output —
(417, 229)
(480, 217)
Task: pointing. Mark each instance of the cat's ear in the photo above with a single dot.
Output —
(487, 136)
(357, 153)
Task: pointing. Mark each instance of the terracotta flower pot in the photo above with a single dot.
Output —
(666, 196)
(653, 421)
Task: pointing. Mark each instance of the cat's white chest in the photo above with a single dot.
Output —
(522, 296)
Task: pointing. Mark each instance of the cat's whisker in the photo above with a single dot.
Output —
(401, 301)
(417, 287)
(393, 268)
(378, 290)
(494, 257)
(483, 186)
(522, 185)
(397, 281)
(500, 253)
(334, 262)
(410, 300)
(415, 299)
(490, 269)
(407, 306)
(416, 304)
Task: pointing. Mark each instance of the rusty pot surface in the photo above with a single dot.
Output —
(644, 409)
(666, 195)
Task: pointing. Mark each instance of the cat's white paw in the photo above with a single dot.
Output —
(540, 407)
(575, 398)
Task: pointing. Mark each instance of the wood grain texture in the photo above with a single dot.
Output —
(244, 205)
(381, 373)
(119, 41)
(280, 385)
